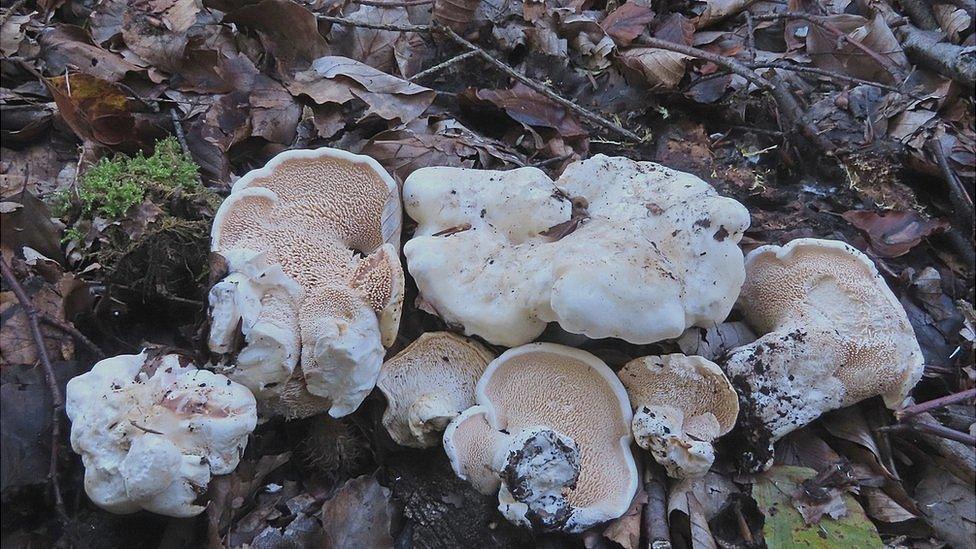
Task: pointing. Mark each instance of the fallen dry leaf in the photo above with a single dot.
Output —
(827, 52)
(288, 32)
(67, 48)
(625, 23)
(95, 109)
(626, 529)
(12, 34)
(334, 79)
(228, 493)
(380, 49)
(660, 69)
(455, 14)
(893, 234)
(358, 515)
(529, 107)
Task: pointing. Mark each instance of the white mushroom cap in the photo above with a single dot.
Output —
(428, 384)
(682, 404)
(151, 432)
(565, 395)
(835, 334)
(330, 222)
(653, 252)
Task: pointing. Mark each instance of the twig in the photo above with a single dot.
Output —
(11, 11)
(897, 72)
(550, 161)
(930, 405)
(57, 400)
(377, 26)
(936, 429)
(958, 191)
(69, 329)
(655, 518)
(402, 4)
(441, 66)
(831, 74)
(592, 117)
(732, 65)
(180, 135)
(751, 37)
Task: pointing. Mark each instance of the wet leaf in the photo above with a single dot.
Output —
(358, 515)
(625, 23)
(228, 493)
(785, 526)
(893, 234)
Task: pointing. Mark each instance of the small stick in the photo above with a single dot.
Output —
(377, 26)
(938, 430)
(823, 72)
(178, 129)
(403, 4)
(930, 405)
(655, 519)
(52, 382)
(897, 72)
(956, 188)
(11, 11)
(740, 519)
(593, 118)
(69, 329)
(441, 66)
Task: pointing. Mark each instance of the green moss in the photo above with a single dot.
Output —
(113, 186)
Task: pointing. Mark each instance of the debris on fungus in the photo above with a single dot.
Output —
(551, 436)
(682, 403)
(152, 430)
(834, 334)
(314, 279)
(428, 384)
(613, 248)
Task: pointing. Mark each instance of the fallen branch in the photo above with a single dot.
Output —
(592, 117)
(69, 329)
(890, 66)
(57, 399)
(930, 405)
(655, 518)
(441, 66)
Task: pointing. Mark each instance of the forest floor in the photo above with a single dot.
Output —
(843, 119)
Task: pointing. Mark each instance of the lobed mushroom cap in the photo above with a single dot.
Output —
(152, 430)
(331, 221)
(614, 248)
(835, 334)
(560, 389)
(428, 384)
(682, 404)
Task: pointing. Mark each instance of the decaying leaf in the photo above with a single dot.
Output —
(358, 515)
(953, 20)
(288, 32)
(229, 493)
(12, 34)
(949, 505)
(69, 48)
(626, 530)
(381, 49)
(95, 109)
(893, 234)
(828, 52)
(785, 526)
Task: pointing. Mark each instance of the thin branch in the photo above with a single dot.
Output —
(958, 191)
(441, 66)
(69, 329)
(11, 11)
(402, 4)
(57, 399)
(930, 405)
(539, 87)
(377, 26)
(729, 63)
(897, 72)
(655, 517)
(936, 429)
(178, 130)
(831, 74)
